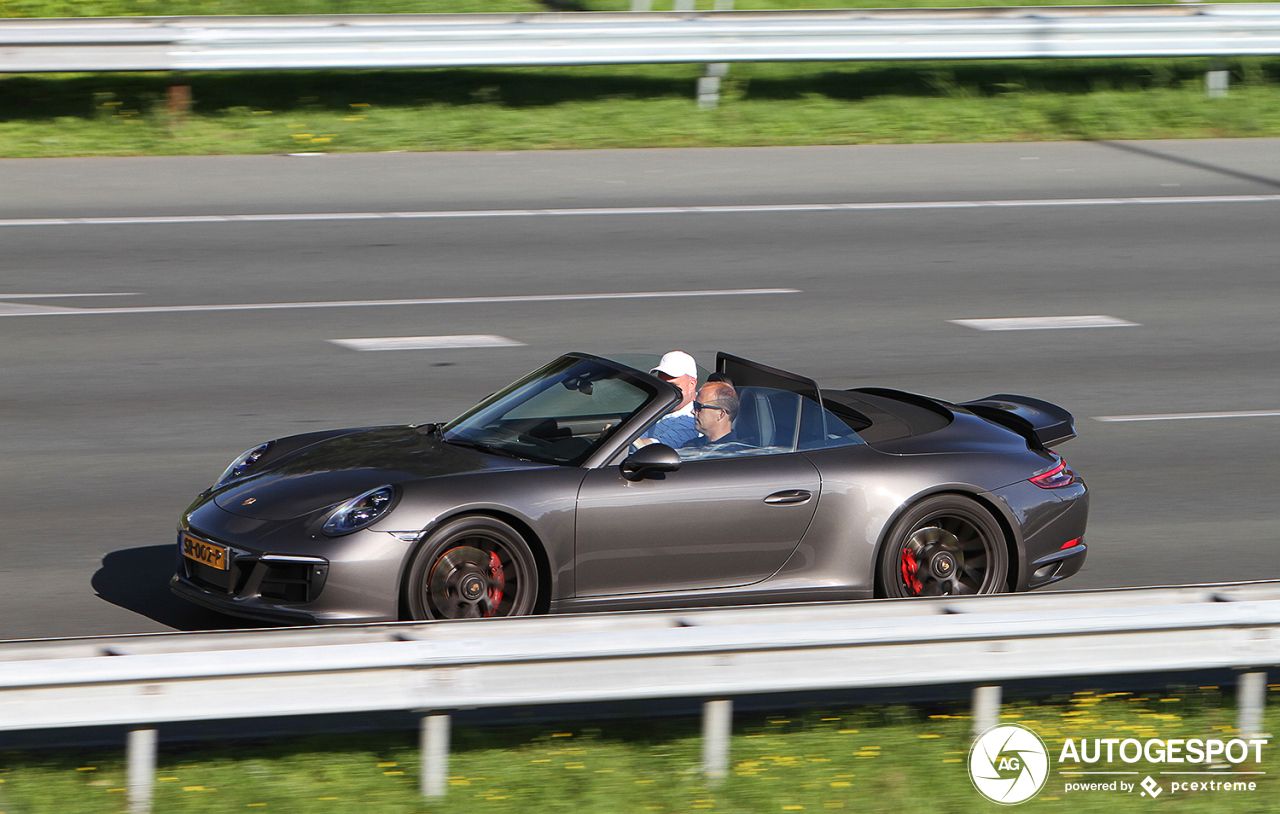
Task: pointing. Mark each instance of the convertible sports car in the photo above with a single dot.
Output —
(544, 498)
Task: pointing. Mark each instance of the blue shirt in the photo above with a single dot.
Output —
(674, 430)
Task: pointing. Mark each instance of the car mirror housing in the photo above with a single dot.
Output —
(650, 460)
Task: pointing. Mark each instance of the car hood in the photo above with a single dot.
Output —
(341, 468)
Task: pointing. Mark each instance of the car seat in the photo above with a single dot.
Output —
(754, 425)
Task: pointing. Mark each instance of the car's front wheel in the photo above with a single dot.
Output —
(946, 545)
(472, 567)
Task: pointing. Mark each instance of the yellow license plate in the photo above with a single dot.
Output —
(211, 554)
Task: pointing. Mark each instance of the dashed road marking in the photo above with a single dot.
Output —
(1044, 323)
(1189, 416)
(428, 342)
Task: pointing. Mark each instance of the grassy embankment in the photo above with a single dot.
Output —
(885, 759)
(611, 106)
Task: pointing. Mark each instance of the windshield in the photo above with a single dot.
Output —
(559, 414)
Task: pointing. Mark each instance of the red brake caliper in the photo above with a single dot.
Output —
(909, 568)
(499, 580)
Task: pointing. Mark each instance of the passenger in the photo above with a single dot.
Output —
(676, 428)
(715, 410)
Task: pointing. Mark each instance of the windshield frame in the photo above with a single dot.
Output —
(658, 397)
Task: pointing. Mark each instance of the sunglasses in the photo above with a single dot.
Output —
(699, 407)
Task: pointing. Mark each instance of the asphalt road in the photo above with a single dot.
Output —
(113, 421)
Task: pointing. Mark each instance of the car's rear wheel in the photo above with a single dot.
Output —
(472, 567)
(946, 545)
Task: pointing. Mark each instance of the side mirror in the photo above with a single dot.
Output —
(650, 460)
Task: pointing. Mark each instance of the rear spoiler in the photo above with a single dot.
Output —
(1041, 423)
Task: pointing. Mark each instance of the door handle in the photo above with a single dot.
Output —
(789, 497)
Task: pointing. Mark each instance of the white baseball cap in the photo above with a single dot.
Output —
(677, 363)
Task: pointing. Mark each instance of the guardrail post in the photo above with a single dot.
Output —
(1217, 80)
(140, 759)
(1251, 699)
(433, 741)
(717, 726)
(177, 102)
(709, 85)
(986, 709)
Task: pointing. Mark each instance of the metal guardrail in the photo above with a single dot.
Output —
(586, 38)
(141, 681)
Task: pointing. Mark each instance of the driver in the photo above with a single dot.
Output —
(715, 410)
(676, 428)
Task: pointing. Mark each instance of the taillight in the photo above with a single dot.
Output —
(1060, 475)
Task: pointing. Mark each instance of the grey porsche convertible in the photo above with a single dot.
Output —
(548, 496)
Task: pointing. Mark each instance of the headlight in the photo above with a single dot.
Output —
(243, 464)
(360, 512)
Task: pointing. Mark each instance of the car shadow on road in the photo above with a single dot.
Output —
(137, 579)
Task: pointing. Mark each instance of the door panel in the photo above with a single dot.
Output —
(707, 525)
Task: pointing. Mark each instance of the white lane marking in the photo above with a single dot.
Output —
(638, 210)
(428, 342)
(280, 306)
(52, 296)
(1044, 323)
(1187, 416)
(20, 309)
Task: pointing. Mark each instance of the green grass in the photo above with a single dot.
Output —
(876, 759)
(637, 106)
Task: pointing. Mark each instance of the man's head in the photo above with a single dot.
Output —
(679, 368)
(715, 409)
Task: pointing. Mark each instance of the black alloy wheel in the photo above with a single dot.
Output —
(946, 545)
(472, 568)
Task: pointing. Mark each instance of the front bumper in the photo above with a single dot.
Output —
(280, 572)
(268, 587)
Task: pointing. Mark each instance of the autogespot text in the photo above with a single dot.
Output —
(1156, 750)
(1221, 760)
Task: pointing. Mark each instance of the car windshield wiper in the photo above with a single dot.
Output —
(463, 442)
